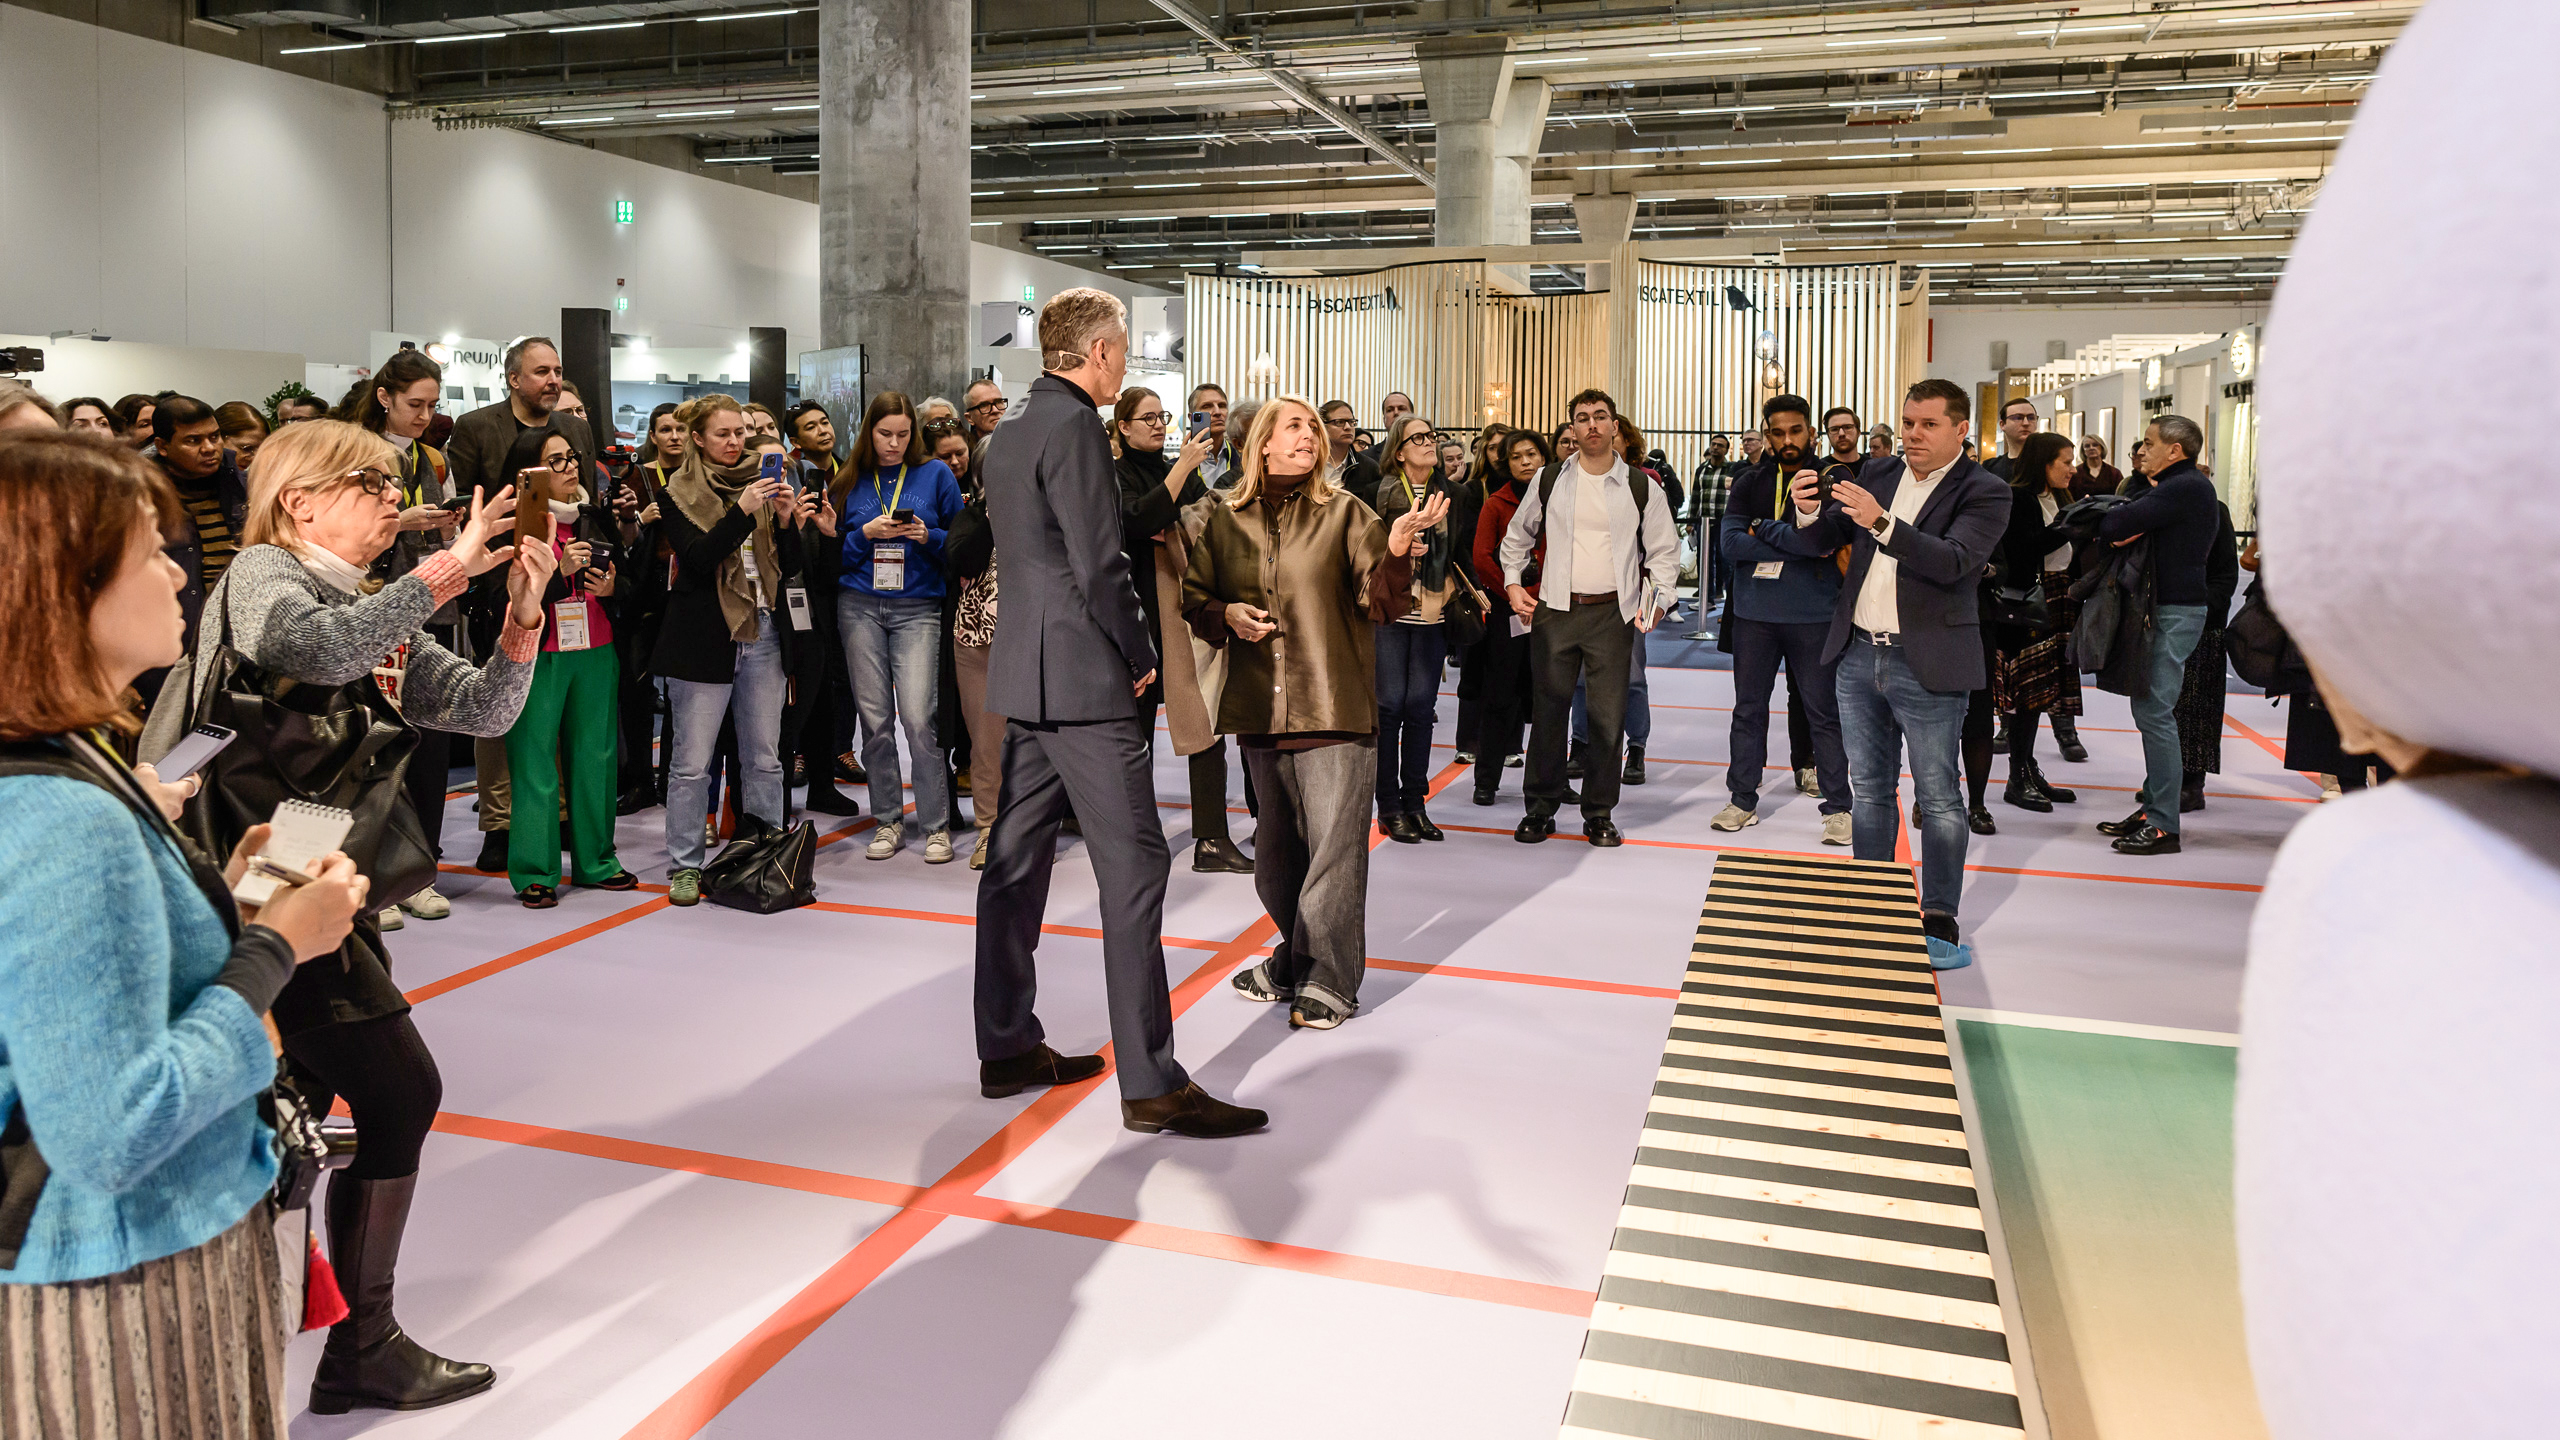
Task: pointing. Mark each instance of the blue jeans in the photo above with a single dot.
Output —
(2174, 633)
(755, 699)
(1881, 705)
(1409, 661)
(893, 651)
(1639, 728)
(1758, 646)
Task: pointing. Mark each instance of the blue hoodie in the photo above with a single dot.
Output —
(1804, 592)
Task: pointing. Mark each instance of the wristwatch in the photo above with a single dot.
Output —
(1883, 523)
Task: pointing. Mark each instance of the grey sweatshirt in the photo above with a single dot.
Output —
(290, 623)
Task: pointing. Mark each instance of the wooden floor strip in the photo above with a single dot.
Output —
(1801, 1252)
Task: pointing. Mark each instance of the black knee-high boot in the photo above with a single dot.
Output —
(369, 1363)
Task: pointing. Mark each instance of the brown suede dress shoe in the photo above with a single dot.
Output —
(1042, 1066)
(1190, 1111)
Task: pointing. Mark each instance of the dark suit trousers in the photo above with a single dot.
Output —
(1593, 645)
(1105, 770)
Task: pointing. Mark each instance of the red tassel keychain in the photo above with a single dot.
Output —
(322, 1304)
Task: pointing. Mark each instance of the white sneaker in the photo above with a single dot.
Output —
(1734, 817)
(1809, 782)
(428, 905)
(1835, 829)
(886, 841)
(389, 919)
(937, 848)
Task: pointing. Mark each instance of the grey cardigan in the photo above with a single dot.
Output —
(290, 623)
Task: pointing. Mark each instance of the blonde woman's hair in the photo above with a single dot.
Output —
(310, 457)
(1266, 420)
(696, 413)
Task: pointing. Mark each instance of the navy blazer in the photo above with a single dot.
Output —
(1071, 641)
(1939, 557)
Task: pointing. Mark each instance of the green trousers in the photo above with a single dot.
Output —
(569, 709)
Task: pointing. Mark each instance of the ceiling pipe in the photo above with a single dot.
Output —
(1299, 90)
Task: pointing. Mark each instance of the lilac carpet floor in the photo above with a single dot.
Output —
(704, 1172)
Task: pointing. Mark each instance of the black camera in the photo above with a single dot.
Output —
(20, 360)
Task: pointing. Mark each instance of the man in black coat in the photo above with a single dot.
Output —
(1350, 469)
(1906, 634)
(1071, 659)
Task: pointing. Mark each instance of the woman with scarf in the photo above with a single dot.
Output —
(1413, 647)
(1154, 491)
(324, 502)
(1505, 683)
(725, 643)
(570, 709)
(1296, 579)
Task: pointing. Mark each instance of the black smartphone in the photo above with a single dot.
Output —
(193, 753)
(600, 553)
(903, 517)
(460, 504)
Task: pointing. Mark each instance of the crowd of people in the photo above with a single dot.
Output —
(754, 609)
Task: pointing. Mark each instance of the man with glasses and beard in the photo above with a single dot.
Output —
(1782, 607)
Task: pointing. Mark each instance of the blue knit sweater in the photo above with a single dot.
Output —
(139, 1075)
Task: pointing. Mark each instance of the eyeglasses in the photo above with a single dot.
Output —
(985, 405)
(1151, 417)
(1343, 422)
(372, 480)
(562, 463)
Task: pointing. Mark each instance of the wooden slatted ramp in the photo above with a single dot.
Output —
(1802, 1252)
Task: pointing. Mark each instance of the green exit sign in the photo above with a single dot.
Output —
(622, 212)
(1029, 296)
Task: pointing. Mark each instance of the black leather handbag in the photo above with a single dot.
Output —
(343, 746)
(763, 869)
(2022, 606)
(1464, 615)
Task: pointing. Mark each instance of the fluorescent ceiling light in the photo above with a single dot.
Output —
(692, 114)
(741, 159)
(579, 120)
(1141, 219)
(745, 15)
(1897, 40)
(1061, 247)
(1951, 245)
(1081, 90)
(1069, 190)
(2314, 15)
(1373, 70)
(1222, 80)
(456, 39)
(2146, 290)
(1149, 245)
(1132, 267)
(318, 49)
(2022, 150)
(1845, 192)
(976, 223)
(2155, 145)
(977, 97)
(2071, 292)
(584, 29)
(1550, 60)
(2079, 29)
(1727, 110)
(1981, 189)
(1685, 54)
(782, 109)
(2297, 140)
(2023, 244)
(2036, 94)
(982, 194)
(1645, 166)
(1778, 225)
(1771, 161)
(1172, 185)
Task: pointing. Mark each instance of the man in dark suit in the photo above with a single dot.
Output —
(1072, 657)
(1907, 632)
(1345, 465)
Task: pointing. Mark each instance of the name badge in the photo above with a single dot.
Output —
(1768, 569)
(796, 601)
(569, 626)
(747, 558)
(889, 567)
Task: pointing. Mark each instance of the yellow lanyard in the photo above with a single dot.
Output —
(895, 495)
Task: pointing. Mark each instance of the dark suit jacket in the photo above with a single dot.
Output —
(1071, 640)
(478, 446)
(1939, 559)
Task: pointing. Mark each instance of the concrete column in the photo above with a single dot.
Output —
(893, 190)
(1486, 126)
(1607, 217)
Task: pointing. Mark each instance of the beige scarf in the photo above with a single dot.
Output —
(704, 492)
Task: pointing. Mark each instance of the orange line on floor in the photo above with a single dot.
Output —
(535, 951)
(1084, 1224)
(2270, 746)
(684, 1413)
(1834, 854)
(1516, 977)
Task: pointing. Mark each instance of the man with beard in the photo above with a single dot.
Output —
(1782, 607)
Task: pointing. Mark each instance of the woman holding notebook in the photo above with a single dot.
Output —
(138, 1265)
(324, 500)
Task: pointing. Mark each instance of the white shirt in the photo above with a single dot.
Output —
(2060, 558)
(1333, 470)
(1595, 564)
(1879, 607)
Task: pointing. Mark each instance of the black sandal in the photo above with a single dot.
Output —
(538, 897)
(619, 880)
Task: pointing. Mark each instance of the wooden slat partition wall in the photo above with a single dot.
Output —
(1413, 328)
(1546, 347)
(1696, 363)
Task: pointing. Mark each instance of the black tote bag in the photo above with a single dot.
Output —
(764, 870)
(342, 746)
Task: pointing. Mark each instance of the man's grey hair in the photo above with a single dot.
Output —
(515, 353)
(1073, 320)
(2182, 432)
(1240, 420)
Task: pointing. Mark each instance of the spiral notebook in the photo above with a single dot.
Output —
(303, 833)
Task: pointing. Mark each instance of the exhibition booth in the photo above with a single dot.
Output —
(2112, 389)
